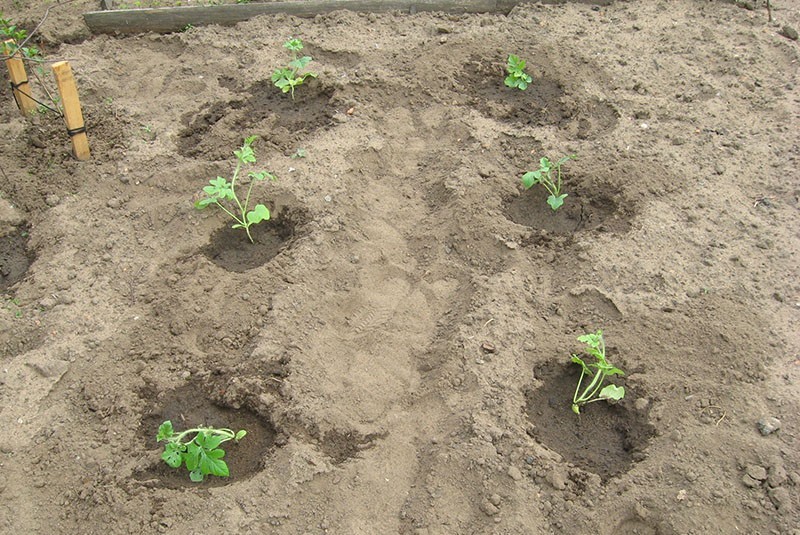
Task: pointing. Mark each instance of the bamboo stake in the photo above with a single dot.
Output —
(19, 78)
(76, 128)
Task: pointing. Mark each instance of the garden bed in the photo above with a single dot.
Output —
(397, 341)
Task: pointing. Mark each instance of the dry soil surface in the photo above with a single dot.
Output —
(397, 341)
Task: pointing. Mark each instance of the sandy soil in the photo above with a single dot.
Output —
(398, 340)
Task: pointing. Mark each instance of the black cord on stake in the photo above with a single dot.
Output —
(15, 88)
(75, 131)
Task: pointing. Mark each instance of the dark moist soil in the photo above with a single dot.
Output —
(397, 340)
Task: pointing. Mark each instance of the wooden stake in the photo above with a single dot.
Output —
(72, 109)
(19, 78)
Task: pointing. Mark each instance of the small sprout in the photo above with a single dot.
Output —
(220, 190)
(299, 153)
(595, 347)
(289, 77)
(201, 454)
(517, 77)
(13, 305)
(544, 176)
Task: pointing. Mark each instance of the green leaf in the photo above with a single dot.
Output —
(258, 214)
(577, 360)
(172, 456)
(281, 74)
(530, 178)
(611, 370)
(197, 476)
(211, 442)
(555, 202)
(300, 63)
(246, 153)
(216, 467)
(240, 435)
(515, 63)
(294, 44)
(565, 159)
(592, 339)
(203, 203)
(165, 431)
(216, 454)
(612, 392)
(192, 456)
(262, 175)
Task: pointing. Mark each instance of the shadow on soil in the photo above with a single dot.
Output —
(15, 257)
(230, 249)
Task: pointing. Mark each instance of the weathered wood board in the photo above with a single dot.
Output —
(174, 19)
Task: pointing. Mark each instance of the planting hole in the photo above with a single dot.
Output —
(544, 103)
(15, 258)
(581, 211)
(341, 446)
(539, 105)
(188, 407)
(278, 120)
(605, 439)
(230, 248)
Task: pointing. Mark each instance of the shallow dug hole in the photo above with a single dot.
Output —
(605, 439)
(187, 407)
(278, 120)
(230, 248)
(579, 212)
(14, 257)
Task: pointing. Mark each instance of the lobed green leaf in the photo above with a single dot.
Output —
(300, 63)
(612, 392)
(294, 44)
(556, 202)
(208, 441)
(531, 178)
(165, 431)
(577, 360)
(258, 214)
(173, 455)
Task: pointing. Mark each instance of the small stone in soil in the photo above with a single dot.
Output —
(757, 472)
(750, 482)
(780, 497)
(768, 425)
(789, 32)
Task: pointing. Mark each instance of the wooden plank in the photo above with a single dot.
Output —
(72, 109)
(175, 19)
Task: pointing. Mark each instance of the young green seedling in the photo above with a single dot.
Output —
(595, 347)
(289, 77)
(201, 454)
(517, 77)
(544, 176)
(18, 36)
(221, 190)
